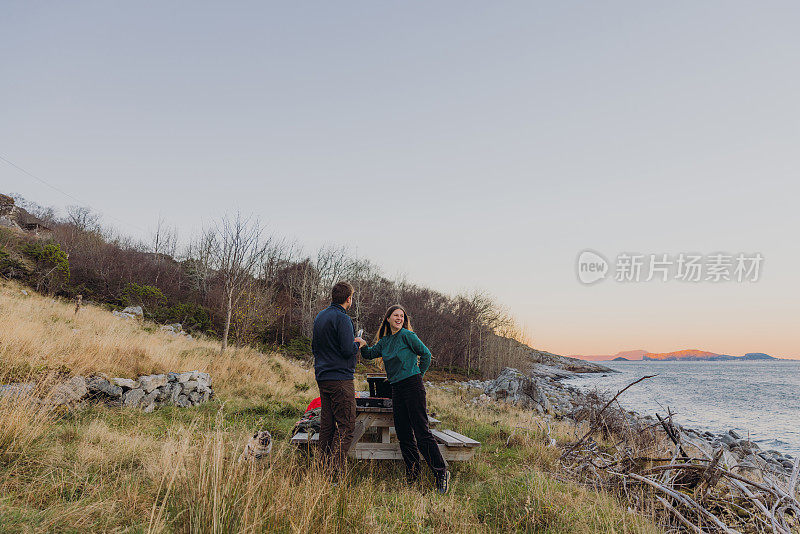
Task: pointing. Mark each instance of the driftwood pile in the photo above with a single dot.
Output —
(648, 465)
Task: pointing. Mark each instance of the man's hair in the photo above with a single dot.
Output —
(341, 292)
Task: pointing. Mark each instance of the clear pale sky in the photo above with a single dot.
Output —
(465, 144)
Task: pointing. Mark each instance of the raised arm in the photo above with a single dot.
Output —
(420, 350)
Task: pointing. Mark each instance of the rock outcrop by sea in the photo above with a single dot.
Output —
(540, 389)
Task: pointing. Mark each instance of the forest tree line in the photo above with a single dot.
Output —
(247, 286)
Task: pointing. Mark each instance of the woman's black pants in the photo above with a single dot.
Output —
(411, 425)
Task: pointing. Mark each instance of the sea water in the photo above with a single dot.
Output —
(759, 399)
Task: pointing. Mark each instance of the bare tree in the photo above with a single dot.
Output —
(164, 245)
(83, 218)
(239, 248)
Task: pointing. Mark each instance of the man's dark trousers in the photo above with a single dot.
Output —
(411, 424)
(338, 420)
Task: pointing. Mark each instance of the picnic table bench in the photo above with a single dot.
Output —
(375, 439)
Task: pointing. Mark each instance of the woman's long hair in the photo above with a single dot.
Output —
(385, 329)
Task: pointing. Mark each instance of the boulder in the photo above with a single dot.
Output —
(746, 446)
(515, 387)
(185, 377)
(125, 383)
(151, 382)
(194, 397)
(73, 390)
(136, 311)
(97, 385)
(149, 399)
(203, 378)
(16, 390)
(176, 391)
(191, 385)
(182, 402)
(729, 460)
(132, 397)
(163, 393)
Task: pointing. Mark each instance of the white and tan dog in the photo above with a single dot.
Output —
(259, 446)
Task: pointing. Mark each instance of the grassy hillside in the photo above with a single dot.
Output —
(175, 470)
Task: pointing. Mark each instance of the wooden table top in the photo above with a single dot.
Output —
(372, 409)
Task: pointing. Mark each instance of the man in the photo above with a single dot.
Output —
(335, 351)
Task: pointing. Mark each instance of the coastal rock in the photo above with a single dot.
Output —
(564, 363)
(515, 387)
(729, 460)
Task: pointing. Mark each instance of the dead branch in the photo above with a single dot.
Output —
(598, 419)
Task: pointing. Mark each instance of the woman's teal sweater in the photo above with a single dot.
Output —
(400, 353)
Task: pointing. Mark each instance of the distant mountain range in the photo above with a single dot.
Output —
(691, 355)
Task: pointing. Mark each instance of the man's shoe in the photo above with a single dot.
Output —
(443, 482)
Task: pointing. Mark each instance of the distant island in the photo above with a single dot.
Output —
(690, 355)
(694, 355)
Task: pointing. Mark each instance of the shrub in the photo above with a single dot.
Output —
(12, 267)
(191, 316)
(299, 346)
(51, 269)
(142, 295)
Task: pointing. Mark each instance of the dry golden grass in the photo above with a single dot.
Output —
(104, 469)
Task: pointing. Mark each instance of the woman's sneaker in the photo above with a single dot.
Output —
(443, 482)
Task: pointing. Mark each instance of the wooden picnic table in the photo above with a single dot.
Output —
(375, 439)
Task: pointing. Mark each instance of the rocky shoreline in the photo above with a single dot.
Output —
(540, 389)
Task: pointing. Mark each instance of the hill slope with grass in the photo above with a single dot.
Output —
(102, 468)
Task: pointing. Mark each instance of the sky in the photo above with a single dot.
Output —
(463, 145)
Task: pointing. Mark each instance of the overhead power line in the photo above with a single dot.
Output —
(59, 190)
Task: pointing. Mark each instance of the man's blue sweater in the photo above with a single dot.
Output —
(332, 343)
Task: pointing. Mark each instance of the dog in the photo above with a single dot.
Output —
(259, 446)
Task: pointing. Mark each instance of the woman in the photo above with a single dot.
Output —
(406, 359)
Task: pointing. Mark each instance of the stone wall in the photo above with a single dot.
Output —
(146, 392)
